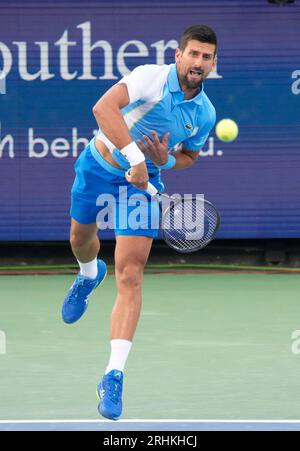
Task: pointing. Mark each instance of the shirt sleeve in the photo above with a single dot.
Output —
(145, 82)
(197, 141)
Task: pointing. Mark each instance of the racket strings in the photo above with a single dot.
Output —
(190, 224)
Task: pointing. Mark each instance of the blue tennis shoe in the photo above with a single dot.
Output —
(76, 301)
(109, 392)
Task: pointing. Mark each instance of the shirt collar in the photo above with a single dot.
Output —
(175, 88)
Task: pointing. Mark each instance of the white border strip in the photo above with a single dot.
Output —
(154, 421)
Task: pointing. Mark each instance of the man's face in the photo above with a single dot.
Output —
(194, 63)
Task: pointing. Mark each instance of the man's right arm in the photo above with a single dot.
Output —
(107, 112)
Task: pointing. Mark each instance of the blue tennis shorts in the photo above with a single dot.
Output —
(101, 194)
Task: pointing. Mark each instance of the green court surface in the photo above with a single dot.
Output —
(208, 346)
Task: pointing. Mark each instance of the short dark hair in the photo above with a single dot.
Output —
(201, 33)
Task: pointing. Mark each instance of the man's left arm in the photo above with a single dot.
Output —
(191, 147)
(157, 151)
(185, 158)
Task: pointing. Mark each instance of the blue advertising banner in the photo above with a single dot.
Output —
(58, 58)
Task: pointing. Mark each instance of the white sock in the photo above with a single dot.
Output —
(89, 269)
(119, 353)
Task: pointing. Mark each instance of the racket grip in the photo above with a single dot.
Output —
(150, 188)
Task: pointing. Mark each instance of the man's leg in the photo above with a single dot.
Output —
(84, 241)
(131, 255)
(85, 246)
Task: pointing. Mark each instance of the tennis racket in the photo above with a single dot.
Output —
(188, 223)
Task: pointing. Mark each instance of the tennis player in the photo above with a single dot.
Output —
(141, 120)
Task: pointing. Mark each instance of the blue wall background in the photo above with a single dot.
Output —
(254, 181)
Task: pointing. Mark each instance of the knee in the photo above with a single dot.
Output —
(77, 240)
(130, 276)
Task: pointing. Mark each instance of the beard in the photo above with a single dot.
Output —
(190, 83)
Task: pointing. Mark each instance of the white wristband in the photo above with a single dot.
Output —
(133, 154)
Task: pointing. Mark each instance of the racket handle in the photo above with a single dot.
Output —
(150, 188)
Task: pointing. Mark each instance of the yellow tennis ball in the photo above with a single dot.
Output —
(227, 130)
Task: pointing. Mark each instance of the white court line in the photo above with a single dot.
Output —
(153, 421)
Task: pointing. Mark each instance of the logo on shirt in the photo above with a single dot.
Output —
(192, 130)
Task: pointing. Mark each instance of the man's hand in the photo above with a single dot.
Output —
(138, 176)
(155, 150)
